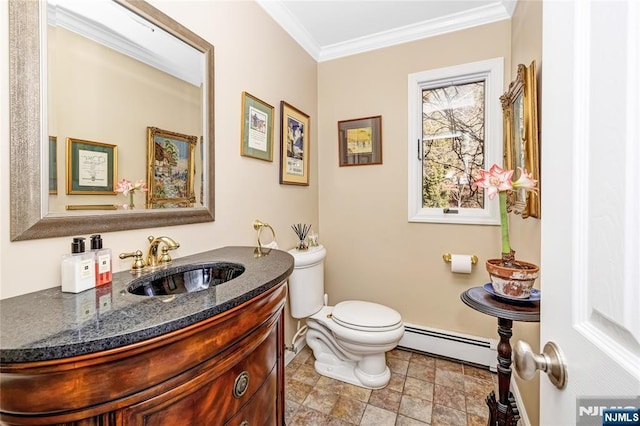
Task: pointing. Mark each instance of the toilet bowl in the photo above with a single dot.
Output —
(349, 340)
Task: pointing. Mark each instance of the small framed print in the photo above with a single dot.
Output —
(360, 141)
(257, 128)
(91, 167)
(294, 146)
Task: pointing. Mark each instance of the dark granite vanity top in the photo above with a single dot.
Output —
(49, 324)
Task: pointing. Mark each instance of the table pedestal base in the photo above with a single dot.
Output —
(500, 414)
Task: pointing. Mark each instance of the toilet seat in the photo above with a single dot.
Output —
(366, 316)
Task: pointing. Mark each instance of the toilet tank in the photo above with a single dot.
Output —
(306, 283)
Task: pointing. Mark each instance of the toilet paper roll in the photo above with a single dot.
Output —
(461, 263)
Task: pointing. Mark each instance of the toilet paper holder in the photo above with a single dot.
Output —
(447, 258)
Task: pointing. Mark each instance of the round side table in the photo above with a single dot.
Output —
(502, 412)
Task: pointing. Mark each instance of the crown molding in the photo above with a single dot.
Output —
(283, 17)
(500, 10)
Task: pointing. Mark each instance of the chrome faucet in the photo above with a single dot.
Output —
(153, 260)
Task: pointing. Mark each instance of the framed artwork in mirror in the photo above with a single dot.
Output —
(53, 165)
(521, 144)
(91, 167)
(257, 128)
(294, 146)
(171, 168)
(360, 141)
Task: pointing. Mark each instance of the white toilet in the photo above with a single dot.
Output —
(348, 340)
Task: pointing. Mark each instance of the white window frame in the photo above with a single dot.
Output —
(491, 72)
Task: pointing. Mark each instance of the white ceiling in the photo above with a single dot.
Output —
(330, 29)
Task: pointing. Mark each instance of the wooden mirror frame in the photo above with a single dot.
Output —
(28, 217)
(525, 203)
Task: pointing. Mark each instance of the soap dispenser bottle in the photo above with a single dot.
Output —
(102, 259)
(78, 270)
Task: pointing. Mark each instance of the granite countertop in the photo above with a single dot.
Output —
(50, 324)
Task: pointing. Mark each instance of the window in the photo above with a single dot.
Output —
(455, 129)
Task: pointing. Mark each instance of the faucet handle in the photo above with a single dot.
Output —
(164, 257)
(138, 263)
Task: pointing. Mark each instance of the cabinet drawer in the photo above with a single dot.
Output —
(261, 409)
(212, 401)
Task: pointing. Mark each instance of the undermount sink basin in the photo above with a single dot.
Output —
(185, 279)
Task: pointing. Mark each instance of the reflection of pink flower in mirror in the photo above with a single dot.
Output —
(125, 186)
(129, 188)
(498, 181)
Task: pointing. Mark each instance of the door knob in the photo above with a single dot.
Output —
(550, 361)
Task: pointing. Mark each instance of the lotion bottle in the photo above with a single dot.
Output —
(102, 260)
(78, 270)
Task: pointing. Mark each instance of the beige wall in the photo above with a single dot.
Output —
(252, 53)
(373, 252)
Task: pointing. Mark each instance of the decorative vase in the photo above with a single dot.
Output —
(514, 281)
(131, 205)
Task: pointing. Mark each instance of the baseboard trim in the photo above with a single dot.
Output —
(463, 347)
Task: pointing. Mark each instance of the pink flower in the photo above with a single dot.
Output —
(525, 180)
(498, 181)
(124, 186)
(495, 180)
(141, 185)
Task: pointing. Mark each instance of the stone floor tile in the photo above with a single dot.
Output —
(450, 379)
(416, 408)
(396, 382)
(296, 391)
(321, 400)
(418, 388)
(449, 397)
(375, 416)
(408, 421)
(385, 398)
(306, 374)
(448, 416)
(398, 365)
(421, 371)
(348, 410)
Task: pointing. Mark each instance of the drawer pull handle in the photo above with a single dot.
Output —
(241, 384)
(244, 423)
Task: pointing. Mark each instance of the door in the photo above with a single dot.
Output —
(590, 263)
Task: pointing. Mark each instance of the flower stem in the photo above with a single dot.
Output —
(131, 205)
(504, 222)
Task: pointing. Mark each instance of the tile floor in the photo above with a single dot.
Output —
(423, 391)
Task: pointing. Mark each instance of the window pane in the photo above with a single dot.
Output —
(453, 129)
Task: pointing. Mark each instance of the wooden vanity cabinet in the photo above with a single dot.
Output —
(228, 369)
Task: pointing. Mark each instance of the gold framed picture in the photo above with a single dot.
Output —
(294, 145)
(91, 167)
(171, 168)
(257, 128)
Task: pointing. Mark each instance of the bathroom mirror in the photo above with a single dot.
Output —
(520, 112)
(33, 100)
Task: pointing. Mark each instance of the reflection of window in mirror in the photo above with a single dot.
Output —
(453, 107)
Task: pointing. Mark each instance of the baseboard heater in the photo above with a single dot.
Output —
(471, 349)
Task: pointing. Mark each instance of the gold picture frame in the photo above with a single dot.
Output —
(257, 128)
(521, 143)
(92, 167)
(170, 168)
(294, 145)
